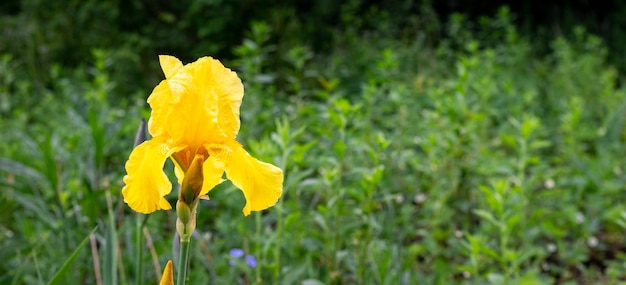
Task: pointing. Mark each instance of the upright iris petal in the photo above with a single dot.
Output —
(195, 115)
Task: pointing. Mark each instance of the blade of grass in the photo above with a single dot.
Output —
(109, 275)
(66, 265)
(16, 277)
(153, 253)
(18, 272)
(37, 267)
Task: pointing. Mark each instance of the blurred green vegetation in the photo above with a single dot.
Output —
(418, 148)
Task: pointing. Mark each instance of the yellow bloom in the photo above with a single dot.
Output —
(195, 115)
(168, 276)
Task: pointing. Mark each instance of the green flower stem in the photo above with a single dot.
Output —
(183, 263)
(140, 223)
(185, 225)
(139, 248)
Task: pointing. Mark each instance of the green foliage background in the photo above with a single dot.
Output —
(418, 147)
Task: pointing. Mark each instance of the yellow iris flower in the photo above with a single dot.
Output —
(194, 120)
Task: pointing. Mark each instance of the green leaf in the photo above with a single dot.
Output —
(487, 216)
(66, 265)
(312, 282)
(109, 274)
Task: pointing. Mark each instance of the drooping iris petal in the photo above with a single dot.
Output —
(168, 275)
(146, 183)
(261, 183)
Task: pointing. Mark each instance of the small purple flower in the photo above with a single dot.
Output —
(251, 261)
(237, 252)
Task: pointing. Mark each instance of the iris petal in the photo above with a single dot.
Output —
(210, 105)
(159, 101)
(225, 90)
(229, 91)
(146, 183)
(170, 65)
(213, 170)
(180, 174)
(260, 182)
(168, 275)
(197, 103)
